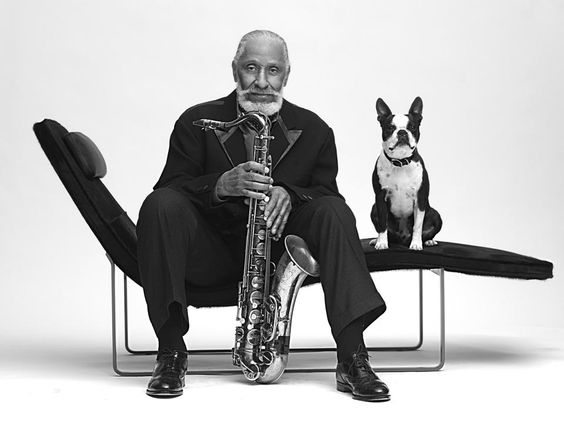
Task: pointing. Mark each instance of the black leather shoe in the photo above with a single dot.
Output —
(168, 374)
(359, 379)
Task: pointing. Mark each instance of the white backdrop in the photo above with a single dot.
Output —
(489, 72)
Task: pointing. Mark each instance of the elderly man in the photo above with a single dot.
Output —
(192, 227)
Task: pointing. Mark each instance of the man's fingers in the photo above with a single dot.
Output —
(253, 166)
(237, 181)
(283, 224)
(256, 177)
(281, 217)
(272, 209)
(256, 186)
(254, 195)
(280, 229)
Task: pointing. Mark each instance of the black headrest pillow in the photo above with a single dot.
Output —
(86, 154)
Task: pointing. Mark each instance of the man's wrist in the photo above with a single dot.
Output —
(216, 197)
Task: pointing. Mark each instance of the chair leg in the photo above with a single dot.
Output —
(415, 347)
(442, 343)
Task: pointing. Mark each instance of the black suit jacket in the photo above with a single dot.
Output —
(304, 159)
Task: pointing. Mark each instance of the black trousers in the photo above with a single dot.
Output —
(179, 250)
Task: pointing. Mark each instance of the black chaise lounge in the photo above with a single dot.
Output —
(80, 166)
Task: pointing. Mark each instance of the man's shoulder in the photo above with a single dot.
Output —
(301, 117)
(205, 109)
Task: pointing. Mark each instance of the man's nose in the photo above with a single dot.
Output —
(261, 81)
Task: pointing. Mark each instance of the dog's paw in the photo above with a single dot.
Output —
(416, 245)
(431, 242)
(379, 244)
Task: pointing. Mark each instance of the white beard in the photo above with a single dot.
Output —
(267, 108)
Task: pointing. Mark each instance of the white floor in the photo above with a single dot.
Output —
(495, 380)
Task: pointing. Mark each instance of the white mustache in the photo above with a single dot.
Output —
(268, 108)
(259, 91)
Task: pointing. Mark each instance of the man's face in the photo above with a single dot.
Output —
(261, 74)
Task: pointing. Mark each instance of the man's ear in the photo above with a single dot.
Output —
(287, 74)
(234, 69)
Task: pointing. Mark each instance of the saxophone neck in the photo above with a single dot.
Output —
(258, 121)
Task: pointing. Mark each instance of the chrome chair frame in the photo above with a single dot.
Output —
(435, 367)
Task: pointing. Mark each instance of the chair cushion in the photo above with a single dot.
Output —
(458, 257)
(86, 154)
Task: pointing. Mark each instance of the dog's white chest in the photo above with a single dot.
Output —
(401, 185)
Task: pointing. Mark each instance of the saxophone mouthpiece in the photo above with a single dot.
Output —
(210, 124)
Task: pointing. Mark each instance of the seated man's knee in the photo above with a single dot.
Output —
(332, 207)
(165, 202)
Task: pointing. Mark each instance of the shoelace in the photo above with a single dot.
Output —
(361, 359)
(173, 364)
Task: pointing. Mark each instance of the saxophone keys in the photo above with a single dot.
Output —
(266, 330)
(256, 298)
(261, 235)
(257, 284)
(267, 358)
(260, 249)
(253, 337)
(259, 264)
(254, 316)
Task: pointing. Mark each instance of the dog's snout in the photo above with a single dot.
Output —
(403, 137)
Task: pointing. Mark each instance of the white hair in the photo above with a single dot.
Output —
(261, 34)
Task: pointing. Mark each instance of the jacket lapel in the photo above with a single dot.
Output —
(233, 145)
(231, 141)
(283, 141)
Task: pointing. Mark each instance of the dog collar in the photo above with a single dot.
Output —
(399, 162)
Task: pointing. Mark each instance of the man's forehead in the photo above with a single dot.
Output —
(263, 49)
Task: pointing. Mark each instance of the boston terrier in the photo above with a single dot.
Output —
(401, 213)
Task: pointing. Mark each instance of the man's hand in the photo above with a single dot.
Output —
(277, 211)
(247, 180)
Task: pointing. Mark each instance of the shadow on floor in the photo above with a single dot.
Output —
(80, 360)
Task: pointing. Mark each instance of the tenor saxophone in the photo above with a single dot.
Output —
(265, 302)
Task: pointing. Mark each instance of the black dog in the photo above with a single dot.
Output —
(401, 213)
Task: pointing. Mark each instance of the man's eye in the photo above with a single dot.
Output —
(251, 67)
(274, 70)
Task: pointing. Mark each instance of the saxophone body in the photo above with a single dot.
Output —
(265, 301)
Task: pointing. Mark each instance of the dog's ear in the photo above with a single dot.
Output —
(416, 107)
(382, 109)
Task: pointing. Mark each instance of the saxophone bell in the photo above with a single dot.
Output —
(294, 266)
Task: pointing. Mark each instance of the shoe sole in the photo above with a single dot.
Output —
(164, 394)
(344, 388)
(158, 394)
